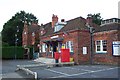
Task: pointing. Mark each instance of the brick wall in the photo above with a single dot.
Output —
(25, 36)
(73, 36)
(106, 58)
(84, 41)
(80, 39)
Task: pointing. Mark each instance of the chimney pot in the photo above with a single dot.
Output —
(62, 20)
(89, 20)
(54, 20)
(41, 24)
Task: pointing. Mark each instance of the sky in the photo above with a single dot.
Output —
(64, 9)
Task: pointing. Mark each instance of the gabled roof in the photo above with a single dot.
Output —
(75, 24)
(78, 23)
(48, 29)
(33, 28)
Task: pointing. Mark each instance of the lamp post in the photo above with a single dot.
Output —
(91, 30)
(33, 41)
(16, 40)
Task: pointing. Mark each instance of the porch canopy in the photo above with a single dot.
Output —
(53, 40)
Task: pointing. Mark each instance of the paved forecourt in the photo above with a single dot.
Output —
(43, 72)
(76, 71)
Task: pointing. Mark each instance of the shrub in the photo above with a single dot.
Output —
(11, 51)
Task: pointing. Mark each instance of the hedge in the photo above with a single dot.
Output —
(9, 52)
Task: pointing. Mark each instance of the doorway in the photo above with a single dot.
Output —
(55, 47)
(26, 53)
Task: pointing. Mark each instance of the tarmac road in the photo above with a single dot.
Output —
(9, 67)
(70, 72)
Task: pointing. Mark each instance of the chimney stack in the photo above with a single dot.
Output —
(54, 20)
(89, 20)
(62, 20)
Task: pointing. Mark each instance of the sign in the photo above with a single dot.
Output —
(54, 37)
(116, 48)
(63, 46)
(84, 50)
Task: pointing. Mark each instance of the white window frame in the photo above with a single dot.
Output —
(50, 48)
(25, 32)
(101, 47)
(33, 34)
(69, 45)
(58, 28)
(44, 46)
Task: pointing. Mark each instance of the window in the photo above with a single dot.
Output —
(25, 33)
(111, 20)
(101, 46)
(50, 48)
(44, 46)
(98, 45)
(107, 21)
(59, 46)
(103, 22)
(58, 27)
(116, 20)
(33, 34)
(69, 45)
(104, 43)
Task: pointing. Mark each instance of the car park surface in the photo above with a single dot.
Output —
(76, 71)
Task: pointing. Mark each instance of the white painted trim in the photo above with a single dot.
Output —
(85, 73)
(57, 72)
(54, 37)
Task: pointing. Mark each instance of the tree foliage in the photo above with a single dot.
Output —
(96, 18)
(10, 27)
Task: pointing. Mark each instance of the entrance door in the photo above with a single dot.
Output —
(26, 53)
(55, 46)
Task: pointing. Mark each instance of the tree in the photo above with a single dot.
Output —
(96, 18)
(10, 27)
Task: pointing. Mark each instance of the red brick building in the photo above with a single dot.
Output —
(30, 37)
(104, 36)
(75, 35)
(72, 34)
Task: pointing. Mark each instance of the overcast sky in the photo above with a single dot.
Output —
(65, 9)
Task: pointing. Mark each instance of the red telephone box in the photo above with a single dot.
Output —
(65, 55)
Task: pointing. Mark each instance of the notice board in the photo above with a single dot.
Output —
(116, 48)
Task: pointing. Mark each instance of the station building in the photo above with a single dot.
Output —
(75, 35)
(107, 42)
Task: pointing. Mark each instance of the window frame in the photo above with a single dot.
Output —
(58, 27)
(44, 46)
(33, 34)
(101, 45)
(69, 45)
